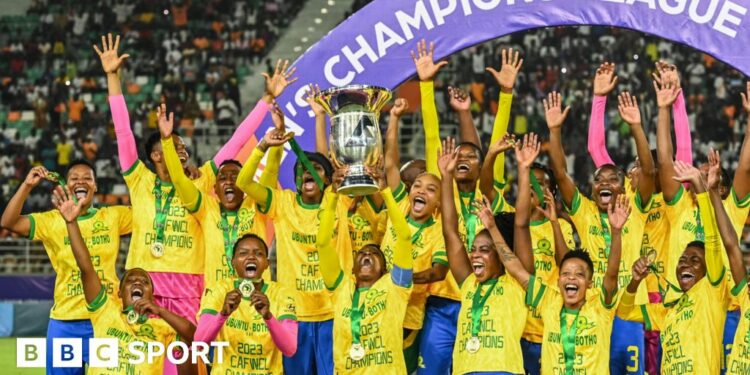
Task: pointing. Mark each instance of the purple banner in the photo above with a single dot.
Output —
(372, 46)
(27, 287)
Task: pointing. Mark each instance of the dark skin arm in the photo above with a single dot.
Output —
(526, 153)
(555, 118)
(618, 214)
(510, 261)
(12, 218)
(629, 111)
(321, 142)
(487, 173)
(741, 182)
(458, 258)
(392, 156)
(666, 94)
(550, 212)
(460, 101)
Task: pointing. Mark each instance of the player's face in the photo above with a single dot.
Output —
(606, 187)
(369, 264)
(82, 183)
(309, 189)
(226, 189)
(543, 182)
(250, 259)
(467, 165)
(484, 258)
(691, 267)
(424, 196)
(136, 284)
(411, 171)
(158, 155)
(723, 190)
(574, 280)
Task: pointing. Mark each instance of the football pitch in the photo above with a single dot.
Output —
(8, 359)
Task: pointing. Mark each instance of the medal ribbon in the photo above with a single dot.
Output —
(568, 340)
(356, 317)
(537, 189)
(160, 220)
(306, 164)
(477, 304)
(470, 220)
(605, 233)
(230, 236)
(700, 234)
(415, 236)
(141, 318)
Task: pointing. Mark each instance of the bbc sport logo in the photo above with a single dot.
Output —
(103, 353)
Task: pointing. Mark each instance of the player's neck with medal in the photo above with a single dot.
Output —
(365, 284)
(418, 222)
(466, 187)
(162, 173)
(575, 306)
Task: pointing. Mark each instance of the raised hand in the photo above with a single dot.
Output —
(504, 144)
(63, 200)
(460, 100)
(666, 94)
(746, 98)
(605, 79)
(553, 111)
(377, 173)
(111, 63)
(280, 79)
(166, 123)
(278, 117)
(400, 106)
(424, 60)
(640, 268)
(231, 302)
(276, 137)
(550, 209)
(667, 73)
(313, 92)
(261, 304)
(509, 68)
(629, 111)
(35, 176)
(483, 210)
(618, 212)
(447, 157)
(147, 307)
(338, 176)
(714, 170)
(685, 172)
(527, 150)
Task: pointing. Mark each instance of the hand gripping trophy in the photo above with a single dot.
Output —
(355, 132)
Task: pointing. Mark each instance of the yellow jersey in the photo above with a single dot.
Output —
(738, 362)
(251, 349)
(109, 321)
(363, 222)
(101, 230)
(545, 267)
(588, 330)
(428, 247)
(183, 237)
(383, 305)
(656, 241)
(500, 327)
(296, 225)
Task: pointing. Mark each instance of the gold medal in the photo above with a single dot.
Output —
(52, 177)
(246, 288)
(357, 352)
(132, 317)
(157, 249)
(473, 345)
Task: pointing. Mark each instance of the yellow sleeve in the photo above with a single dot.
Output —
(714, 260)
(431, 126)
(125, 215)
(402, 253)
(499, 129)
(627, 309)
(245, 181)
(270, 175)
(329, 260)
(189, 194)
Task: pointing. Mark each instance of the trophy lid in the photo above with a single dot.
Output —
(350, 98)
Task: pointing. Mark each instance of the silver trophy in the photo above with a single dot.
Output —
(355, 133)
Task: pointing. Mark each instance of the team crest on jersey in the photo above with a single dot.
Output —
(374, 294)
(583, 324)
(290, 305)
(683, 303)
(99, 226)
(358, 221)
(146, 330)
(543, 247)
(244, 214)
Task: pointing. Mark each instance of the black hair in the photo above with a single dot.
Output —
(726, 179)
(78, 162)
(699, 244)
(618, 170)
(247, 236)
(151, 142)
(504, 221)
(316, 157)
(550, 176)
(230, 161)
(475, 147)
(127, 272)
(579, 254)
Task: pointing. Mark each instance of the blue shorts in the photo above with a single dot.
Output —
(532, 357)
(314, 349)
(438, 336)
(730, 327)
(81, 329)
(628, 348)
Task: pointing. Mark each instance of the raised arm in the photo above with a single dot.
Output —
(666, 94)
(617, 214)
(506, 78)
(70, 210)
(127, 151)
(550, 212)
(246, 181)
(526, 153)
(460, 101)
(270, 176)
(511, 261)
(487, 177)
(458, 259)
(12, 218)
(189, 194)
(726, 229)
(605, 81)
(426, 70)
(330, 267)
(392, 155)
(321, 134)
(741, 181)
(630, 113)
(684, 144)
(555, 117)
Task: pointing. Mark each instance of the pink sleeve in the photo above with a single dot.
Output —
(284, 335)
(596, 142)
(682, 130)
(209, 326)
(126, 148)
(243, 133)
